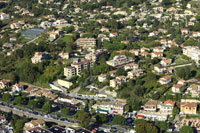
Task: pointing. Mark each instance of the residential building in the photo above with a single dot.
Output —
(131, 66)
(60, 85)
(117, 81)
(188, 108)
(113, 34)
(111, 107)
(95, 55)
(70, 130)
(134, 51)
(18, 87)
(166, 62)
(113, 73)
(102, 77)
(119, 60)
(68, 99)
(30, 90)
(69, 72)
(82, 65)
(135, 73)
(34, 124)
(192, 122)
(4, 84)
(182, 82)
(40, 56)
(159, 69)
(58, 129)
(43, 92)
(4, 16)
(194, 90)
(177, 88)
(151, 106)
(165, 80)
(158, 49)
(86, 43)
(64, 55)
(38, 130)
(81, 130)
(167, 107)
(2, 119)
(154, 116)
(46, 24)
(192, 52)
(77, 67)
(156, 55)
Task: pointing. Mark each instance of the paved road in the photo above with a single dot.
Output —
(33, 40)
(183, 65)
(31, 114)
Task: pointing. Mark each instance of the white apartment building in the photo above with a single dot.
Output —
(192, 52)
(40, 56)
(94, 55)
(119, 60)
(135, 73)
(110, 107)
(69, 72)
(4, 16)
(117, 81)
(86, 43)
(131, 66)
(77, 67)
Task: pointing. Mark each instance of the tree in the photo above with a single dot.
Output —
(6, 97)
(120, 120)
(139, 121)
(32, 104)
(187, 129)
(46, 108)
(162, 125)
(179, 39)
(175, 111)
(84, 119)
(65, 112)
(18, 100)
(101, 118)
(120, 71)
(166, 2)
(183, 72)
(146, 128)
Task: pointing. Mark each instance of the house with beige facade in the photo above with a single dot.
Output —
(188, 108)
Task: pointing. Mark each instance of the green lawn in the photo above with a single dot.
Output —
(180, 60)
(67, 38)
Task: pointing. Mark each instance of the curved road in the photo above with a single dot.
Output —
(30, 114)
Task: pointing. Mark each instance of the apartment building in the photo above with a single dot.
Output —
(95, 55)
(165, 80)
(34, 124)
(40, 56)
(4, 16)
(119, 60)
(77, 67)
(135, 73)
(86, 43)
(69, 72)
(131, 66)
(167, 107)
(4, 84)
(192, 52)
(177, 88)
(117, 81)
(188, 108)
(151, 106)
(111, 107)
(194, 90)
